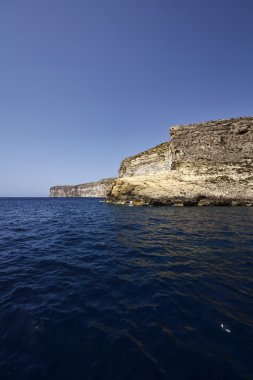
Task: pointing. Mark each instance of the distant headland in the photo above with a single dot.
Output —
(97, 189)
(204, 164)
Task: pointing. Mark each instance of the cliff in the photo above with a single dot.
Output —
(208, 163)
(92, 189)
(154, 160)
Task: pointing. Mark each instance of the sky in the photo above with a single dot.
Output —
(86, 83)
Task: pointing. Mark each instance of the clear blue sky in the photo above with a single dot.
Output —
(85, 83)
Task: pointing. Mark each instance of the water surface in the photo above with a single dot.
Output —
(90, 290)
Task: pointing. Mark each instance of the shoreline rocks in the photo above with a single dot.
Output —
(204, 164)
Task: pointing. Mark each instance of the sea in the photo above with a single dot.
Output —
(90, 290)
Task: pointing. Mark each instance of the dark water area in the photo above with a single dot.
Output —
(90, 290)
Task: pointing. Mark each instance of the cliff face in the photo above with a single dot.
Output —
(212, 144)
(92, 189)
(154, 160)
(203, 164)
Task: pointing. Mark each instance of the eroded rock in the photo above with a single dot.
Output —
(204, 164)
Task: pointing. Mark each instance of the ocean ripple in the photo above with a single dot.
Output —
(97, 291)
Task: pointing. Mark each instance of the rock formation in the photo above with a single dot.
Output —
(207, 163)
(92, 189)
(154, 160)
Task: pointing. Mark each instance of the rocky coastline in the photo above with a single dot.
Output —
(97, 189)
(203, 164)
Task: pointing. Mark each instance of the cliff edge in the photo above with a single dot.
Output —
(97, 189)
(208, 163)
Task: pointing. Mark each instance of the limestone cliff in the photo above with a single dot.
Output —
(204, 164)
(154, 160)
(92, 189)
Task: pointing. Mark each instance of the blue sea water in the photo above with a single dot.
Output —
(90, 290)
